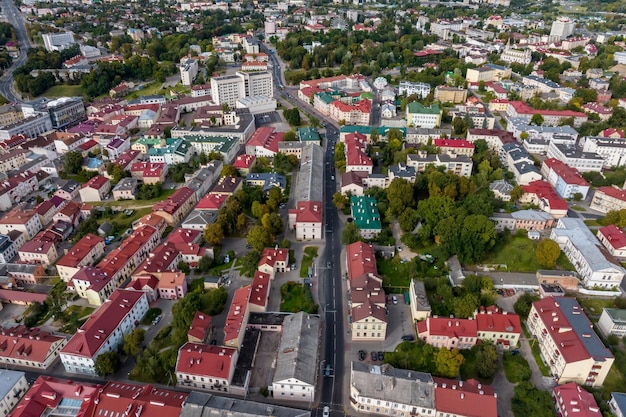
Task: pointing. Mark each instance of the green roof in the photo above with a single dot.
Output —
(415, 107)
(367, 130)
(308, 134)
(367, 94)
(616, 314)
(365, 212)
(148, 141)
(325, 97)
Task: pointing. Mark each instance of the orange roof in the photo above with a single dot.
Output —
(492, 320)
(361, 259)
(172, 279)
(206, 360)
(236, 313)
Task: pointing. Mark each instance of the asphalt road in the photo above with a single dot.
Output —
(14, 17)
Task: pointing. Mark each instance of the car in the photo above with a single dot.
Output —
(156, 320)
(332, 177)
(408, 338)
(394, 299)
(399, 248)
(362, 355)
(381, 356)
(326, 412)
(374, 356)
(514, 352)
(329, 264)
(327, 370)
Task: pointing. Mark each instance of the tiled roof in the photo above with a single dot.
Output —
(616, 193)
(308, 212)
(614, 235)
(236, 313)
(22, 343)
(568, 174)
(270, 256)
(206, 360)
(361, 259)
(575, 401)
(260, 289)
(81, 249)
(200, 325)
(449, 327)
(465, 398)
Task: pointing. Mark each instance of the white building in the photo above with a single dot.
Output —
(257, 104)
(584, 251)
(188, 70)
(228, 89)
(576, 158)
(408, 88)
(612, 150)
(562, 27)
(612, 322)
(58, 41)
(104, 330)
(13, 386)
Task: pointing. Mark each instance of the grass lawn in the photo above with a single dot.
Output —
(614, 381)
(297, 297)
(579, 208)
(395, 274)
(592, 223)
(137, 203)
(63, 91)
(155, 88)
(218, 270)
(593, 306)
(123, 221)
(518, 254)
(310, 252)
(537, 354)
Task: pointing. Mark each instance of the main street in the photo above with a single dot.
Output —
(13, 16)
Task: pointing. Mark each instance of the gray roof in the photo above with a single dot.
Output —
(201, 217)
(8, 379)
(126, 184)
(311, 174)
(525, 168)
(620, 401)
(531, 215)
(583, 328)
(571, 151)
(297, 352)
(617, 315)
(201, 404)
(419, 296)
(585, 242)
(394, 385)
(22, 268)
(502, 186)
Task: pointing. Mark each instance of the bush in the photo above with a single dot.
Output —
(516, 368)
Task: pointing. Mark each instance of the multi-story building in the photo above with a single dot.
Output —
(58, 41)
(205, 367)
(188, 70)
(274, 260)
(455, 146)
(420, 307)
(31, 348)
(228, 89)
(26, 221)
(96, 189)
(575, 157)
(38, 251)
(464, 398)
(10, 113)
(93, 285)
(447, 94)
(418, 115)
(562, 27)
(366, 216)
(550, 117)
(611, 149)
(569, 346)
(30, 126)
(104, 330)
(306, 220)
(177, 206)
(237, 318)
(448, 333)
(8, 249)
(13, 386)
(458, 164)
(566, 180)
(572, 400)
(542, 194)
(607, 199)
(612, 322)
(614, 240)
(407, 88)
(617, 404)
(584, 251)
(66, 111)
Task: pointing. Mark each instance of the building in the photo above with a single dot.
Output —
(58, 41)
(595, 266)
(274, 260)
(228, 89)
(418, 115)
(442, 332)
(206, 404)
(420, 307)
(92, 284)
(529, 220)
(607, 199)
(31, 126)
(25, 221)
(569, 346)
(188, 70)
(464, 398)
(550, 117)
(176, 207)
(13, 386)
(205, 367)
(237, 318)
(501, 328)
(38, 251)
(407, 88)
(614, 240)
(366, 216)
(385, 390)
(545, 197)
(104, 330)
(575, 157)
(369, 321)
(29, 348)
(296, 363)
(613, 150)
(612, 322)
(96, 189)
(567, 181)
(617, 404)
(306, 220)
(458, 164)
(455, 146)
(8, 249)
(563, 27)
(447, 94)
(66, 111)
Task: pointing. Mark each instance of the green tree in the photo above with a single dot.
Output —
(290, 136)
(517, 192)
(229, 171)
(340, 201)
(249, 263)
(486, 359)
(523, 135)
(523, 304)
(547, 253)
(273, 222)
(408, 220)
(133, 341)
(214, 234)
(106, 363)
(259, 238)
(350, 234)
(72, 162)
(448, 362)
(537, 119)
(465, 306)
(530, 401)
(292, 116)
(616, 217)
(459, 125)
(400, 196)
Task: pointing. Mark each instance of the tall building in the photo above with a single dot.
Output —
(188, 70)
(66, 111)
(228, 89)
(58, 41)
(562, 27)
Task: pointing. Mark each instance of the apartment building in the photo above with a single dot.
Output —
(30, 348)
(607, 199)
(205, 367)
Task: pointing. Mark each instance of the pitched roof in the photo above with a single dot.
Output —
(200, 325)
(465, 398)
(206, 360)
(369, 309)
(448, 327)
(22, 343)
(575, 401)
(96, 182)
(120, 398)
(270, 256)
(308, 212)
(361, 259)
(260, 289)
(568, 174)
(616, 193)
(614, 235)
(236, 313)
(492, 320)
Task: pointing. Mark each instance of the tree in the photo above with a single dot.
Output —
(408, 220)
(448, 362)
(350, 234)
(205, 264)
(249, 263)
(72, 162)
(259, 238)
(290, 136)
(459, 126)
(340, 201)
(107, 363)
(486, 359)
(523, 304)
(292, 116)
(523, 135)
(400, 196)
(530, 401)
(464, 307)
(517, 192)
(273, 223)
(537, 119)
(214, 234)
(229, 171)
(133, 341)
(547, 253)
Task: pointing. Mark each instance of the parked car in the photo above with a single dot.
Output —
(326, 412)
(362, 355)
(374, 356)
(381, 356)
(327, 370)
(156, 320)
(408, 338)
(394, 299)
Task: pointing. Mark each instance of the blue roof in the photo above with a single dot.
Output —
(94, 163)
(620, 401)
(581, 325)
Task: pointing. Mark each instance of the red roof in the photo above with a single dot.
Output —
(614, 235)
(574, 401)
(361, 259)
(94, 333)
(270, 256)
(175, 201)
(523, 108)
(186, 236)
(369, 309)
(544, 191)
(200, 325)
(427, 52)
(616, 193)
(22, 343)
(465, 398)
(492, 320)
(355, 150)
(121, 398)
(244, 161)
(363, 106)
(212, 201)
(568, 174)
(266, 137)
(206, 360)
(236, 313)
(259, 294)
(80, 250)
(449, 327)
(96, 182)
(22, 296)
(308, 212)
(47, 392)
(453, 143)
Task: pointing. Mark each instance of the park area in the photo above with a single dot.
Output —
(296, 297)
(518, 254)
